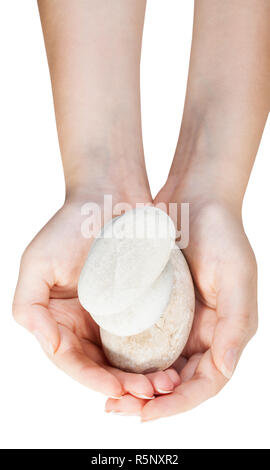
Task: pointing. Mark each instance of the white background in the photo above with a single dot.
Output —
(41, 407)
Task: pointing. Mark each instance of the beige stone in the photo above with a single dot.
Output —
(160, 345)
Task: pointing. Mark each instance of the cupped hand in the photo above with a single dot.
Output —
(224, 271)
(46, 303)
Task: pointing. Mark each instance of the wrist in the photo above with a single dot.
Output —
(103, 171)
(92, 187)
(202, 186)
(208, 165)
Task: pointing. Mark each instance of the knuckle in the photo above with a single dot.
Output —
(247, 267)
(251, 267)
(14, 311)
(25, 255)
(141, 377)
(244, 321)
(254, 326)
(214, 388)
(17, 313)
(248, 324)
(215, 391)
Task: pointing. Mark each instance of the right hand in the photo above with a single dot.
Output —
(46, 304)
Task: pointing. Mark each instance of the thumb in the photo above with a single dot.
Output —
(237, 318)
(30, 304)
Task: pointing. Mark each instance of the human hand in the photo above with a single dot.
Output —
(223, 267)
(46, 303)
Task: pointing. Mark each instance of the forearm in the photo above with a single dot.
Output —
(93, 51)
(228, 98)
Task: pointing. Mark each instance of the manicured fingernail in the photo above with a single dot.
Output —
(147, 420)
(229, 362)
(45, 344)
(119, 413)
(144, 397)
(115, 397)
(159, 390)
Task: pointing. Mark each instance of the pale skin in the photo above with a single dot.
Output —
(93, 52)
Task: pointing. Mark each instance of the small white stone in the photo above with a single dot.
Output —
(145, 311)
(125, 260)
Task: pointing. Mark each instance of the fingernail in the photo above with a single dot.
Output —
(119, 413)
(229, 362)
(115, 397)
(159, 390)
(46, 345)
(147, 420)
(140, 395)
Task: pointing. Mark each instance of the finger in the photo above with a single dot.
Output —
(237, 319)
(71, 358)
(189, 370)
(30, 305)
(93, 351)
(174, 376)
(202, 330)
(137, 385)
(128, 405)
(180, 363)
(161, 382)
(206, 382)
